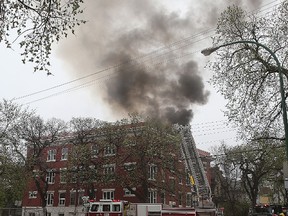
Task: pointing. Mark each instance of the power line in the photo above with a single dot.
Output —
(91, 82)
(216, 132)
(180, 44)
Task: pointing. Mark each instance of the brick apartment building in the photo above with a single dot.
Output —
(108, 167)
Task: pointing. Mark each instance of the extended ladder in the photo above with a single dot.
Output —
(193, 162)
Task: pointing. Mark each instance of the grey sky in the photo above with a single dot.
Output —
(170, 82)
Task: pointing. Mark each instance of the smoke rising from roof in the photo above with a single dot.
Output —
(156, 85)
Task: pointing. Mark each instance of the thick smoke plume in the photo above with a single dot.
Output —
(121, 33)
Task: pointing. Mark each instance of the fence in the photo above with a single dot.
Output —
(10, 211)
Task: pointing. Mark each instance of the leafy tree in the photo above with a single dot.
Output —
(12, 175)
(246, 168)
(36, 25)
(246, 74)
(12, 178)
(10, 114)
(229, 190)
(151, 147)
(135, 143)
(258, 161)
(36, 135)
(82, 172)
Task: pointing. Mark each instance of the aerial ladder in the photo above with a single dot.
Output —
(194, 163)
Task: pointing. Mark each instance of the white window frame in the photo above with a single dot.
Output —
(152, 172)
(51, 155)
(36, 173)
(62, 200)
(128, 193)
(94, 150)
(50, 198)
(152, 196)
(64, 153)
(109, 150)
(50, 176)
(108, 194)
(109, 169)
(33, 194)
(188, 198)
(130, 166)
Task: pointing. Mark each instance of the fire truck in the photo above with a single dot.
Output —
(123, 208)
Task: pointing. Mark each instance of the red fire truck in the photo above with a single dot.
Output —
(123, 208)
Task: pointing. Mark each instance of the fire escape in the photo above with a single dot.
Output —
(193, 162)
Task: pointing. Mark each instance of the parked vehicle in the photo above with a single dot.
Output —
(123, 208)
(265, 210)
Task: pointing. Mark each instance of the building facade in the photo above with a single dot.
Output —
(127, 166)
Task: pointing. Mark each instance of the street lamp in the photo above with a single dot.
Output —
(210, 50)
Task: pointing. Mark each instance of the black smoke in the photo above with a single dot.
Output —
(162, 84)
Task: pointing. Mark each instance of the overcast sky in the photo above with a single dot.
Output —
(131, 56)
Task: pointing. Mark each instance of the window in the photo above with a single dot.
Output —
(64, 154)
(50, 198)
(172, 165)
(94, 150)
(51, 155)
(163, 197)
(72, 198)
(172, 184)
(35, 173)
(152, 171)
(80, 195)
(116, 208)
(92, 193)
(32, 214)
(187, 179)
(188, 199)
(109, 169)
(106, 207)
(61, 214)
(62, 197)
(128, 192)
(109, 150)
(63, 173)
(93, 173)
(180, 179)
(50, 177)
(132, 142)
(152, 196)
(130, 166)
(180, 199)
(32, 194)
(108, 194)
(72, 174)
(95, 207)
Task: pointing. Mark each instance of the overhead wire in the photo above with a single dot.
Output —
(136, 61)
(140, 60)
(91, 82)
(150, 55)
(241, 152)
